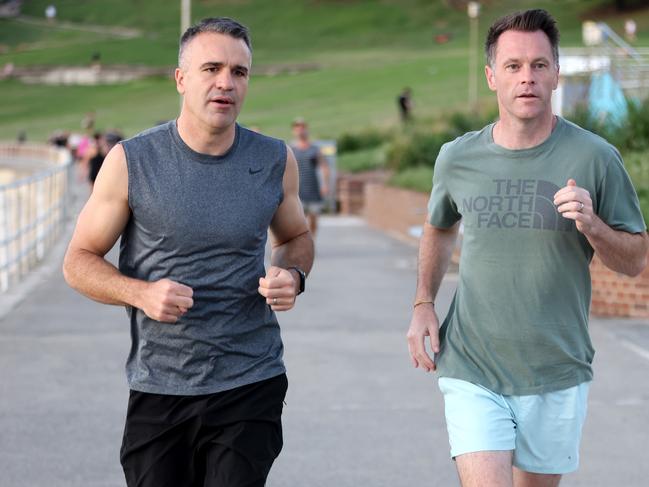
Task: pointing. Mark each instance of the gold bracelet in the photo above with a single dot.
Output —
(423, 301)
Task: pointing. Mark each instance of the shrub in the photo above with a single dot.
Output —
(636, 129)
(418, 178)
(637, 165)
(361, 160)
(460, 123)
(632, 135)
(362, 140)
(416, 150)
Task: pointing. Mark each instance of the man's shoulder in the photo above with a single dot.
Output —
(470, 141)
(259, 137)
(259, 143)
(160, 130)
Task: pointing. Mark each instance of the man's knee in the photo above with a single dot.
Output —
(530, 479)
(485, 469)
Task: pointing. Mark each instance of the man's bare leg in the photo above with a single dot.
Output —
(529, 479)
(485, 469)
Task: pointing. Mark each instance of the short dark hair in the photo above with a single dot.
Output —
(527, 21)
(219, 25)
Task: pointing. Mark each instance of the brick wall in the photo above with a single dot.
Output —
(394, 210)
(618, 295)
(351, 190)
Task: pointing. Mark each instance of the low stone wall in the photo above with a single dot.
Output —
(618, 295)
(395, 210)
(350, 190)
(399, 212)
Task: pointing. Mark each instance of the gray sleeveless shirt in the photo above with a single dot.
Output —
(307, 163)
(202, 221)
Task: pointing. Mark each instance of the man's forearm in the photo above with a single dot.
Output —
(619, 251)
(295, 252)
(98, 279)
(435, 250)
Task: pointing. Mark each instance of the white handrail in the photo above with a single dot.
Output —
(33, 209)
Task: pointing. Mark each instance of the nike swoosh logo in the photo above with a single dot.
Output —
(255, 171)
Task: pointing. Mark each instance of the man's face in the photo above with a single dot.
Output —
(300, 131)
(213, 79)
(524, 75)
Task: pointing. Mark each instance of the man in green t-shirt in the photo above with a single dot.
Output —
(537, 196)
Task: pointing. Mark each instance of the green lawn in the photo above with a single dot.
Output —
(365, 51)
(349, 95)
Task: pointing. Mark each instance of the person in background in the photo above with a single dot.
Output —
(103, 143)
(404, 103)
(314, 173)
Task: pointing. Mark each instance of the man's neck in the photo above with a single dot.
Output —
(205, 140)
(303, 143)
(523, 134)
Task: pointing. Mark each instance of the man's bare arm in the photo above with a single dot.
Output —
(292, 244)
(620, 251)
(324, 168)
(99, 225)
(435, 249)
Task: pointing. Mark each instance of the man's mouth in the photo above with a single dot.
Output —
(222, 100)
(527, 95)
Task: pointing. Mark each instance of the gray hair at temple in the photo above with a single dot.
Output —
(218, 25)
(527, 21)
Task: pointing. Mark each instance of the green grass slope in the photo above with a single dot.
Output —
(365, 51)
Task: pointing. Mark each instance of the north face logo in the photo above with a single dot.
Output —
(517, 203)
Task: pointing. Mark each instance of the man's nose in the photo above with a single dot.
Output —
(527, 75)
(224, 80)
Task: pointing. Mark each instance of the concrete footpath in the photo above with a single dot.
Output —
(357, 413)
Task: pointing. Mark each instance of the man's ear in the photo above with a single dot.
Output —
(491, 77)
(179, 76)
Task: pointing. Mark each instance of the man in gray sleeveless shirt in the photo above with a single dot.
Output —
(192, 201)
(309, 161)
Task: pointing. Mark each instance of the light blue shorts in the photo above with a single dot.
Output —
(543, 430)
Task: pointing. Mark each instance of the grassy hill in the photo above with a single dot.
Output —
(365, 52)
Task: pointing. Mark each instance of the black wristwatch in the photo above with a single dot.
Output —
(302, 275)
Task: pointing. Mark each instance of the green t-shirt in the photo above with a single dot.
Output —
(518, 323)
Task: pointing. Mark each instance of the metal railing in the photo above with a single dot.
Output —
(631, 72)
(33, 209)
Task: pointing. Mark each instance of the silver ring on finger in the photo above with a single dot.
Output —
(581, 206)
(274, 301)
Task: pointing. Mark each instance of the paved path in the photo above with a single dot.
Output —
(357, 414)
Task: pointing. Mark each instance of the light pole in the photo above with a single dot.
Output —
(185, 19)
(185, 15)
(473, 10)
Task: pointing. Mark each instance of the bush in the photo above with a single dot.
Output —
(361, 160)
(418, 178)
(363, 140)
(460, 123)
(637, 165)
(636, 129)
(416, 150)
(632, 135)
